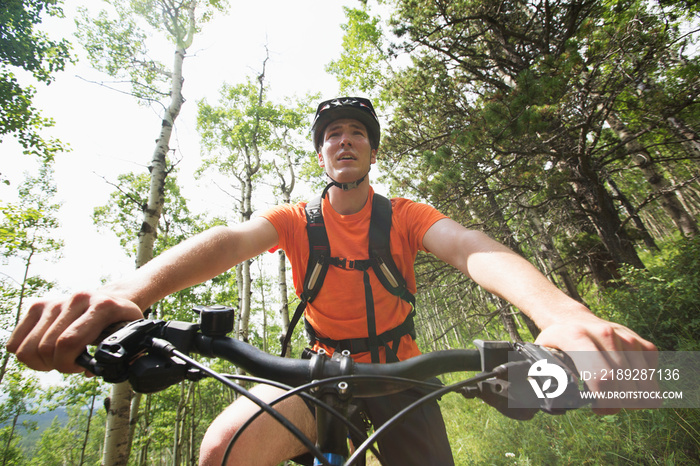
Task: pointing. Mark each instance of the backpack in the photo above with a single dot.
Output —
(379, 260)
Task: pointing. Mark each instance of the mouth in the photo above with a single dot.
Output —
(347, 157)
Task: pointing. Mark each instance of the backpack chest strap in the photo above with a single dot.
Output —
(347, 264)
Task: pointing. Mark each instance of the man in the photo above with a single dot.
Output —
(346, 137)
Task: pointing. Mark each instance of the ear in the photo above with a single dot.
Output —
(373, 156)
(321, 163)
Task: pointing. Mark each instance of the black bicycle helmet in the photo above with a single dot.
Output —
(357, 108)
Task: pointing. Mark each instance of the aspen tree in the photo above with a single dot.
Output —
(118, 47)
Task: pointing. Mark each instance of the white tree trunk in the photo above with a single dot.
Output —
(117, 442)
(117, 436)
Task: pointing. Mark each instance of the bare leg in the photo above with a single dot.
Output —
(265, 441)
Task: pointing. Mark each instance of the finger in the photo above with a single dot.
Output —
(585, 352)
(29, 349)
(72, 309)
(24, 327)
(637, 359)
(85, 327)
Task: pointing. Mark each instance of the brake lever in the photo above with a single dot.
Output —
(129, 354)
(86, 360)
(517, 363)
(557, 366)
(115, 353)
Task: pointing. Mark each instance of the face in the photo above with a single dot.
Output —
(346, 153)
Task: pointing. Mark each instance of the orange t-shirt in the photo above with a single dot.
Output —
(339, 310)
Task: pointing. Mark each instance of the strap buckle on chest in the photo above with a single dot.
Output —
(348, 264)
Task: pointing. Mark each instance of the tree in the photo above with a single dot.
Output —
(23, 47)
(20, 390)
(75, 441)
(118, 47)
(26, 234)
(243, 138)
(500, 115)
(162, 417)
(242, 128)
(289, 155)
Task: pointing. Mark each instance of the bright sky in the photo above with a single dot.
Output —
(110, 134)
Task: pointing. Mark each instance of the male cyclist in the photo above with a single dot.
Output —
(352, 306)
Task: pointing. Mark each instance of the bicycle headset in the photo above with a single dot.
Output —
(379, 253)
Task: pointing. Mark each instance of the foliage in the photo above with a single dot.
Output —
(500, 115)
(20, 395)
(116, 39)
(510, 125)
(27, 229)
(126, 204)
(26, 225)
(359, 64)
(54, 445)
(660, 302)
(247, 135)
(64, 443)
(24, 48)
(247, 132)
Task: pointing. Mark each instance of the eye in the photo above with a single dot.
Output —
(357, 131)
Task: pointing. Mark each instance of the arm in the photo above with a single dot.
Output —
(53, 333)
(566, 324)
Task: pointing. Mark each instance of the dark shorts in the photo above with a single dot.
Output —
(418, 439)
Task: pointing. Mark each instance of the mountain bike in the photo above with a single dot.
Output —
(155, 354)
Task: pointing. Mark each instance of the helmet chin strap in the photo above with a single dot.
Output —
(343, 186)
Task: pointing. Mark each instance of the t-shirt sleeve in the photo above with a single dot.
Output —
(416, 219)
(285, 219)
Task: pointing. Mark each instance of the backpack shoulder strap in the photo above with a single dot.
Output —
(380, 250)
(317, 266)
(319, 250)
(379, 257)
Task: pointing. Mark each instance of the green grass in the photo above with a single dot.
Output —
(481, 435)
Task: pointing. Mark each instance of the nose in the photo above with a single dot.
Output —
(345, 140)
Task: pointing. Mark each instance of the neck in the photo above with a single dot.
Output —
(351, 201)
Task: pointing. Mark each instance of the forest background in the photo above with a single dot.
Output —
(567, 130)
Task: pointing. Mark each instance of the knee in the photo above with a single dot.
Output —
(213, 447)
(217, 442)
(248, 448)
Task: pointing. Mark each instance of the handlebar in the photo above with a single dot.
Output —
(151, 355)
